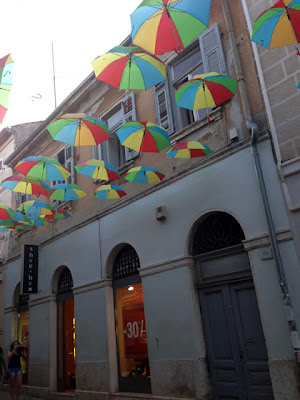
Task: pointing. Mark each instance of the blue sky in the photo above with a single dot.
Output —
(79, 30)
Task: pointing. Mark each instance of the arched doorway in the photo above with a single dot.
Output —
(133, 361)
(23, 332)
(237, 355)
(65, 333)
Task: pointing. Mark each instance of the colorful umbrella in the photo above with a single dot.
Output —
(279, 25)
(37, 221)
(60, 213)
(6, 212)
(21, 218)
(66, 192)
(108, 192)
(44, 168)
(6, 67)
(205, 90)
(79, 130)
(298, 85)
(143, 136)
(36, 207)
(129, 68)
(144, 175)
(23, 184)
(159, 26)
(98, 169)
(190, 149)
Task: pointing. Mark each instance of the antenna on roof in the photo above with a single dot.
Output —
(53, 76)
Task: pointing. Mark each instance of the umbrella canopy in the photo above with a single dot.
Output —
(21, 218)
(159, 26)
(189, 149)
(23, 184)
(60, 213)
(205, 90)
(279, 25)
(6, 67)
(36, 207)
(66, 192)
(79, 130)
(108, 192)
(44, 168)
(98, 169)
(37, 221)
(144, 175)
(143, 136)
(6, 212)
(129, 68)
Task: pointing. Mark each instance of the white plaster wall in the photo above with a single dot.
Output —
(90, 326)
(228, 185)
(39, 331)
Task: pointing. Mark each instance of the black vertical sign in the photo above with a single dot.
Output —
(30, 272)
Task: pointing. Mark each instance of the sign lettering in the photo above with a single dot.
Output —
(30, 271)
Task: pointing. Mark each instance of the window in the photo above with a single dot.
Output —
(202, 56)
(22, 197)
(66, 157)
(112, 151)
(2, 166)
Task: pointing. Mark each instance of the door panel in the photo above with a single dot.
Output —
(253, 353)
(235, 343)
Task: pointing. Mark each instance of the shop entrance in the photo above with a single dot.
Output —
(134, 371)
(236, 350)
(66, 371)
(23, 333)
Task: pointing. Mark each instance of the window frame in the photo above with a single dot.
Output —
(198, 45)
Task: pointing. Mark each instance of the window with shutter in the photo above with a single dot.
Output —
(202, 56)
(111, 150)
(2, 168)
(22, 197)
(66, 157)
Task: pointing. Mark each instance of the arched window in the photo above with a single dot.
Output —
(66, 379)
(134, 372)
(217, 231)
(126, 263)
(65, 283)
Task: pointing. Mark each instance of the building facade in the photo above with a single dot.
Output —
(174, 290)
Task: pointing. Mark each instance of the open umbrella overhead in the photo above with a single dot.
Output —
(44, 168)
(279, 25)
(6, 212)
(66, 192)
(60, 213)
(98, 169)
(129, 68)
(143, 136)
(23, 184)
(79, 130)
(205, 90)
(144, 175)
(108, 192)
(35, 207)
(189, 149)
(6, 67)
(159, 26)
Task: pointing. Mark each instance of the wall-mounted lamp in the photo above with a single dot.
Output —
(130, 287)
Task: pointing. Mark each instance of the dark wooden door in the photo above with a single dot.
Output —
(235, 342)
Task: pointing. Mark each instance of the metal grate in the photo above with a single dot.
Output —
(126, 263)
(65, 283)
(217, 231)
(23, 302)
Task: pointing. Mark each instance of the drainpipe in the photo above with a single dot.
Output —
(261, 182)
(278, 260)
(236, 62)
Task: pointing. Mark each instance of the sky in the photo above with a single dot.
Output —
(77, 30)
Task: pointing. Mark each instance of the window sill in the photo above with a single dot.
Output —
(214, 116)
